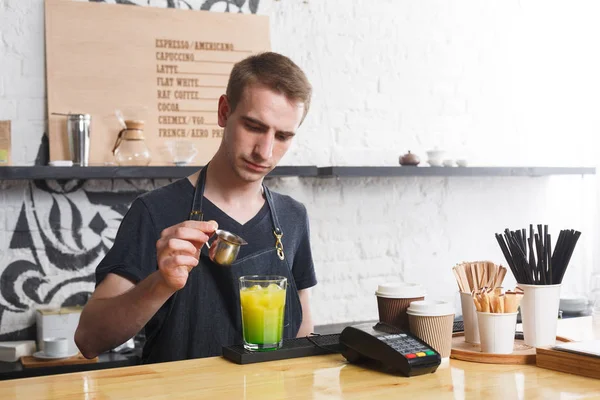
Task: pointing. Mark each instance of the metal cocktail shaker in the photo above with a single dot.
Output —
(78, 131)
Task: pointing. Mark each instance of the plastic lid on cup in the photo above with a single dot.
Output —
(400, 290)
(430, 308)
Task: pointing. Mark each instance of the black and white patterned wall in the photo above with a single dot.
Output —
(53, 241)
(54, 233)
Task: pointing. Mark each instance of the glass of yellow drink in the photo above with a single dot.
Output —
(262, 300)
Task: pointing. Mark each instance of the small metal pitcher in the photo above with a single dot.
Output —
(225, 248)
(78, 133)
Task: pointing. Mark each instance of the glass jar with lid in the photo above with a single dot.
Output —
(130, 147)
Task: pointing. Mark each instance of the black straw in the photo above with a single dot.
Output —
(531, 259)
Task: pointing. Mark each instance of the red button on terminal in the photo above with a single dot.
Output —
(411, 356)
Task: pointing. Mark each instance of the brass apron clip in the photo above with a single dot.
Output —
(196, 215)
(279, 245)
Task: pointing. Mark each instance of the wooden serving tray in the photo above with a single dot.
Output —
(32, 362)
(522, 354)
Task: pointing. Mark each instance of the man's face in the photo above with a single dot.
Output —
(260, 130)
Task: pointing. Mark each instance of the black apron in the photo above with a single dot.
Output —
(205, 314)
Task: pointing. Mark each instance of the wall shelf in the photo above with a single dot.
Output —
(452, 171)
(46, 172)
(66, 173)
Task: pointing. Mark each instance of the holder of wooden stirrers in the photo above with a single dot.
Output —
(473, 276)
(494, 301)
(496, 319)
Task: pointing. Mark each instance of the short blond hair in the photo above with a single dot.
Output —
(273, 70)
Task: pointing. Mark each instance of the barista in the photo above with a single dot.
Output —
(158, 274)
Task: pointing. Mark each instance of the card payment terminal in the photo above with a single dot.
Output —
(392, 349)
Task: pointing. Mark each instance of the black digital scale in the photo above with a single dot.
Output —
(381, 346)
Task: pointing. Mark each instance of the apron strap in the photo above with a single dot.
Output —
(196, 212)
(277, 232)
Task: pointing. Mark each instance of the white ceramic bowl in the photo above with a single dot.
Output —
(462, 163)
(448, 163)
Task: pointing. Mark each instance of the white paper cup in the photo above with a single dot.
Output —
(539, 312)
(469, 313)
(431, 321)
(56, 347)
(497, 332)
(394, 298)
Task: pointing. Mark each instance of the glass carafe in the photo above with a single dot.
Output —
(130, 148)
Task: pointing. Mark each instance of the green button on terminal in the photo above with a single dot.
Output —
(430, 353)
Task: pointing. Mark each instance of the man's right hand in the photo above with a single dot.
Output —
(178, 250)
(102, 328)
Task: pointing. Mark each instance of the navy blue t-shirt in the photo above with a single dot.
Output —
(133, 254)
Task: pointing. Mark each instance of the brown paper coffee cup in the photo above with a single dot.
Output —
(393, 311)
(393, 299)
(434, 330)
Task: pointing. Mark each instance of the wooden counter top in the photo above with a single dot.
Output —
(322, 377)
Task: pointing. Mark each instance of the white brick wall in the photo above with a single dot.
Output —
(366, 231)
(500, 82)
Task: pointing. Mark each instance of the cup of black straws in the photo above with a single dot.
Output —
(539, 272)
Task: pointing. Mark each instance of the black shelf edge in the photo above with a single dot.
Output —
(451, 171)
(159, 172)
(101, 172)
(291, 170)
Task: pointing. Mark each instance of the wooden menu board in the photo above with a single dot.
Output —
(165, 66)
